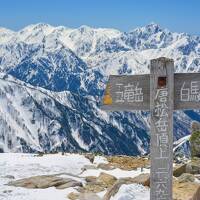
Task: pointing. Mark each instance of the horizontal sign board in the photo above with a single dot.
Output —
(132, 92)
(187, 91)
(127, 92)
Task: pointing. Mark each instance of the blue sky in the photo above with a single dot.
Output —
(176, 15)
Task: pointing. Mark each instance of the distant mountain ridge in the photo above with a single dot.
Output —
(79, 61)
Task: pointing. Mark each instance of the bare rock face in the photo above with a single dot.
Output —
(128, 162)
(45, 181)
(143, 179)
(185, 177)
(73, 196)
(88, 196)
(115, 188)
(91, 179)
(179, 170)
(186, 191)
(106, 179)
(193, 167)
(100, 183)
(83, 196)
(195, 126)
(106, 166)
(86, 167)
(93, 185)
(90, 157)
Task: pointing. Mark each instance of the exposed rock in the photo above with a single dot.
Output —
(106, 179)
(193, 167)
(128, 162)
(83, 196)
(91, 179)
(186, 191)
(143, 179)
(92, 188)
(9, 177)
(86, 167)
(105, 166)
(185, 177)
(195, 126)
(100, 183)
(45, 181)
(179, 169)
(195, 144)
(89, 196)
(181, 190)
(71, 183)
(90, 157)
(115, 188)
(7, 191)
(73, 196)
(40, 154)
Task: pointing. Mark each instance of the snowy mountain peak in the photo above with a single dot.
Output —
(79, 61)
(5, 30)
(38, 26)
(85, 28)
(151, 28)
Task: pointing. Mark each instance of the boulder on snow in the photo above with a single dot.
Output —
(105, 166)
(98, 184)
(143, 179)
(128, 162)
(83, 196)
(86, 167)
(185, 177)
(90, 157)
(45, 181)
(106, 179)
(193, 167)
(179, 170)
(186, 191)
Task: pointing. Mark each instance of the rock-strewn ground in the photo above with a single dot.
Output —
(101, 178)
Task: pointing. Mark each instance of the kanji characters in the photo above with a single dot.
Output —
(128, 93)
(191, 93)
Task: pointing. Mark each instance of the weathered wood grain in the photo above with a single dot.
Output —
(182, 82)
(113, 92)
(161, 108)
(187, 91)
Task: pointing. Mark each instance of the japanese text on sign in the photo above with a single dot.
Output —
(191, 93)
(129, 93)
(161, 124)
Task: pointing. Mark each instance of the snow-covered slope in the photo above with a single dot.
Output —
(34, 119)
(18, 166)
(79, 61)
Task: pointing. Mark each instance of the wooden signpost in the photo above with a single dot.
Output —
(161, 92)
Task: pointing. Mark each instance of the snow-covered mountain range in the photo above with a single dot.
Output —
(52, 79)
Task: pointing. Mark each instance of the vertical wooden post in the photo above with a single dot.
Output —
(161, 107)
